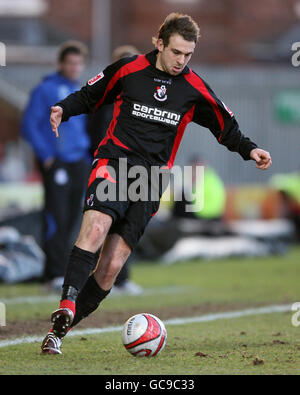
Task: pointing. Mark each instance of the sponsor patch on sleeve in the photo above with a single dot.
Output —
(98, 77)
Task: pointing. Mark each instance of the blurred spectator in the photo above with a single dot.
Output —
(63, 162)
(97, 126)
(289, 187)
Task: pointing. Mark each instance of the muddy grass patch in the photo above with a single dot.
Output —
(104, 318)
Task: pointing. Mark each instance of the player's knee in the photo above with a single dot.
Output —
(115, 266)
(93, 234)
(96, 232)
(97, 229)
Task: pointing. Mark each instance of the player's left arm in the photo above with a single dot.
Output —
(212, 113)
(100, 90)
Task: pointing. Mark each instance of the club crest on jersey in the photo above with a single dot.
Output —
(98, 77)
(90, 200)
(161, 93)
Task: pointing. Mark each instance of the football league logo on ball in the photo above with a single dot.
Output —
(161, 93)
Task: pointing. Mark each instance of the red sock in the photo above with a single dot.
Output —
(67, 304)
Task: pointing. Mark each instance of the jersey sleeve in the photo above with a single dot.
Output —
(99, 90)
(213, 114)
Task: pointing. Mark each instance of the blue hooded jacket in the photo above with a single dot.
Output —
(73, 142)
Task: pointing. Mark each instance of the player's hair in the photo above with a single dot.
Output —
(184, 25)
(71, 47)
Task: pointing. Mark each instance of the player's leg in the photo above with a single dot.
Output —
(114, 254)
(123, 283)
(97, 220)
(94, 228)
(117, 247)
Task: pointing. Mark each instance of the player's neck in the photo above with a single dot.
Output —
(158, 63)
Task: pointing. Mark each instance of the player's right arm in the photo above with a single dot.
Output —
(102, 89)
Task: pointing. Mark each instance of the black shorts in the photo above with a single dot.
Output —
(131, 199)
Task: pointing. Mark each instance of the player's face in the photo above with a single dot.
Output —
(174, 57)
(72, 66)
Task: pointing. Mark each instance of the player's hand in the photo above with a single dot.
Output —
(262, 158)
(55, 118)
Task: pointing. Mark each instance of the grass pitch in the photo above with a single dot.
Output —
(258, 344)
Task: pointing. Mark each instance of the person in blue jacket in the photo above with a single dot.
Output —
(64, 162)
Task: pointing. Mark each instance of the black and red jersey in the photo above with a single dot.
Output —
(152, 109)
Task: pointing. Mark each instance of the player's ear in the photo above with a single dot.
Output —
(160, 44)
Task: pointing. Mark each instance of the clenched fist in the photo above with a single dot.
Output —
(262, 158)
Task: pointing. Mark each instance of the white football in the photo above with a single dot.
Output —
(144, 335)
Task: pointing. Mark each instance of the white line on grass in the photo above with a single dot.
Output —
(30, 299)
(172, 321)
(55, 297)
